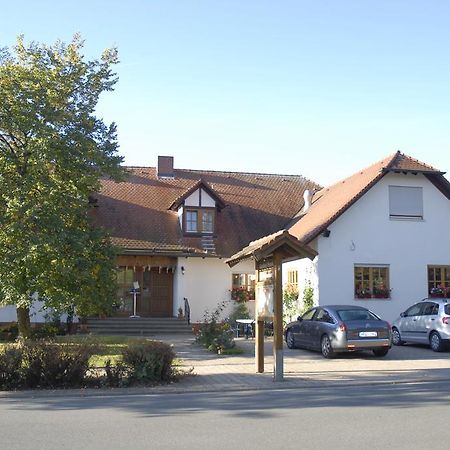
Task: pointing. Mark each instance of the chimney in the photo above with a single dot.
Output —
(165, 167)
(307, 198)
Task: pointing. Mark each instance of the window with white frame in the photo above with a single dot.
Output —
(405, 202)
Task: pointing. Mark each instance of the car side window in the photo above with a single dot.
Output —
(323, 316)
(430, 309)
(414, 310)
(309, 314)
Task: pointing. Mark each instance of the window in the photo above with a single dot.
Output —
(309, 314)
(199, 221)
(372, 282)
(413, 310)
(430, 309)
(439, 281)
(323, 316)
(207, 221)
(405, 202)
(191, 221)
(292, 277)
(243, 287)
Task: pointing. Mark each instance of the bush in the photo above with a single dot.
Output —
(47, 330)
(44, 364)
(10, 367)
(216, 336)
(149, 361)
(9, 332)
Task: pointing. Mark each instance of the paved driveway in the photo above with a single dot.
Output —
(409, 363)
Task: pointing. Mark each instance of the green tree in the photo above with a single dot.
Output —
(53, 152)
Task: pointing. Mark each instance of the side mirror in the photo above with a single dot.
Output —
(402, 314)
(299, 318)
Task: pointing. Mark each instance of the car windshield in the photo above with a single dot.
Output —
(356, 314)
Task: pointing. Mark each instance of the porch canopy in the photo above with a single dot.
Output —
(282, 242)
(270, 252)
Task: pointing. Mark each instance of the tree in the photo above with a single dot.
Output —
(53, 152)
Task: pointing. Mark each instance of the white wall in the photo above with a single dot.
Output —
(365, 234)
(37, 313)
(307, 272)
(205, 283)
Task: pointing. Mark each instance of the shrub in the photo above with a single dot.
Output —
(308, 297)
(290, 303)
(10, 367)
(115, 375)
(9, 332)
(149, 361)
(213, 334)
(47, 330)
(45, 365)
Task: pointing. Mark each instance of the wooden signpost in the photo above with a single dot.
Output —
(269, 253)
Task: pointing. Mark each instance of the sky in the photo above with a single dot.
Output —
(318, 88)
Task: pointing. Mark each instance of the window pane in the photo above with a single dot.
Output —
(207, 222)
(191, 221)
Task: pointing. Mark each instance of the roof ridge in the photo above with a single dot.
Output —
(228, 172)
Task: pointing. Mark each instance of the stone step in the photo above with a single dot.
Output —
(138, 326)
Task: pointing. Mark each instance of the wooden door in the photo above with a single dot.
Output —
(156, 294)
(161, 302)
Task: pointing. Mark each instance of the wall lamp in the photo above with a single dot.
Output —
(326, 233)
(182, 270)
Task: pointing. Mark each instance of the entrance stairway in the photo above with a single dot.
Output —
(143, 326)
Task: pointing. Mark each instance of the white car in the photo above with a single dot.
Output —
(425, 322)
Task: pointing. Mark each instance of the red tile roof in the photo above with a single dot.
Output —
(137, 212)
(329, 203)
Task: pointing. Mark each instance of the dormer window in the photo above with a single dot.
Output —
(199, 220)
(197, 209)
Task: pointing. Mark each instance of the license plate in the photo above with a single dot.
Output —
(368, 334)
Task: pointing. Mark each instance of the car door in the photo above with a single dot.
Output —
(321, 324)
(408, 323)
(426, 321)
(302, 334)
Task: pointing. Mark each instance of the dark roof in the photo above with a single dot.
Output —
(137, 211)
(331, 202)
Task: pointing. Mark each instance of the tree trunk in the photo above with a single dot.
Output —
(23, 322)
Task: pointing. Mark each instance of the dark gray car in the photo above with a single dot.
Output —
(339, 328)
(425, 322)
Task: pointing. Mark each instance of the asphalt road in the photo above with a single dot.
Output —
(410, 416)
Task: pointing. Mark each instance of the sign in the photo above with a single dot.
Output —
(264, 300)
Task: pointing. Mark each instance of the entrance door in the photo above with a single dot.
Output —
(156, 294)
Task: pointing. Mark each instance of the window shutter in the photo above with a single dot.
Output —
(405, 201)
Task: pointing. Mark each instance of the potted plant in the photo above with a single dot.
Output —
(180, 313)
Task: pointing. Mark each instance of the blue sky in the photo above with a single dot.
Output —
(317, 88)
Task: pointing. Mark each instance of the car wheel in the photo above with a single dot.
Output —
(436, 342)
(290, 341)
(396, 337)
(326, 348)
(379, 352)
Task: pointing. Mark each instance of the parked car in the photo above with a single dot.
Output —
(339, 328)
(425, 322)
